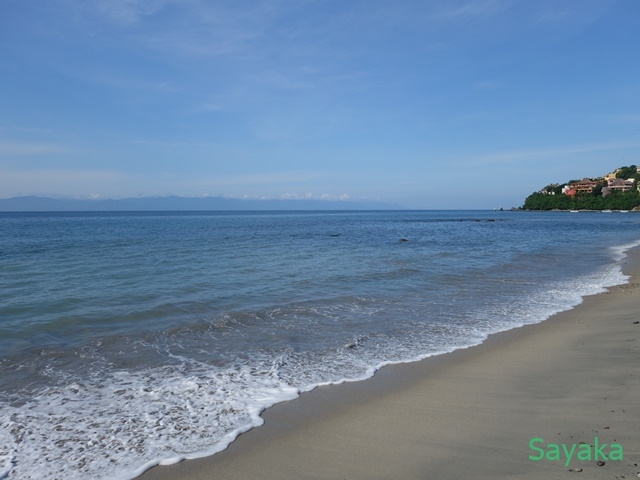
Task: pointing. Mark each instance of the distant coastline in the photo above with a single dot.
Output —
(177, 203)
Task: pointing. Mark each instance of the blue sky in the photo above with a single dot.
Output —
(429, 104)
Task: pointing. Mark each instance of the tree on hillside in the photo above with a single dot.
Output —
(542, 201)
(627, 172)
(597, 190)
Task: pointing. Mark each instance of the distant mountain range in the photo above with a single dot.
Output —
(175, 203)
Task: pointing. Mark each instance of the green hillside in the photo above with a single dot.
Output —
(599, 193)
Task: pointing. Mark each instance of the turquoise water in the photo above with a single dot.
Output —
(127, 339)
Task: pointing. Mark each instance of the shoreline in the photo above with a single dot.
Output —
(473, 411)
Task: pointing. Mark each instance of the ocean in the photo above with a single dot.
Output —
(132, 339)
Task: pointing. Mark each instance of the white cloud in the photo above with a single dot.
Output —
(297, 196)
(341, 197)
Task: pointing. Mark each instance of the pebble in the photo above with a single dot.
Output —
(600, 463)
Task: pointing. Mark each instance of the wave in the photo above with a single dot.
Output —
(116, 422)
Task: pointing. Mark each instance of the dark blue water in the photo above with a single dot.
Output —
(132, 338)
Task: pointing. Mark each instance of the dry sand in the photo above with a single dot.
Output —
(467, 414)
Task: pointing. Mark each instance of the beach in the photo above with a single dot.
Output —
(470, 413)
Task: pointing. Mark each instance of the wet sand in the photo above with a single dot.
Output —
(467, 414)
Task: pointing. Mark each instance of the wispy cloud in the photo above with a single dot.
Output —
(487, 85)
(12, 149)
(58, 181)
(128, 12)
(120, 80)
(154, 143)
(569, 13)
(553, 15)
(283, 81)
(279, 178)
(194, 44)
(194, 28)
(476, 8)
(626, 118)
(264, 185)
(209, 106)
(13, 129)
(549, 153)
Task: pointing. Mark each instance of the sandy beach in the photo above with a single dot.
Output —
(468, 414)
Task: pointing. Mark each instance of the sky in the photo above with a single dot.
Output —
(427, 103)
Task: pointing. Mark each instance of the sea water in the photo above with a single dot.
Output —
(132, 339)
